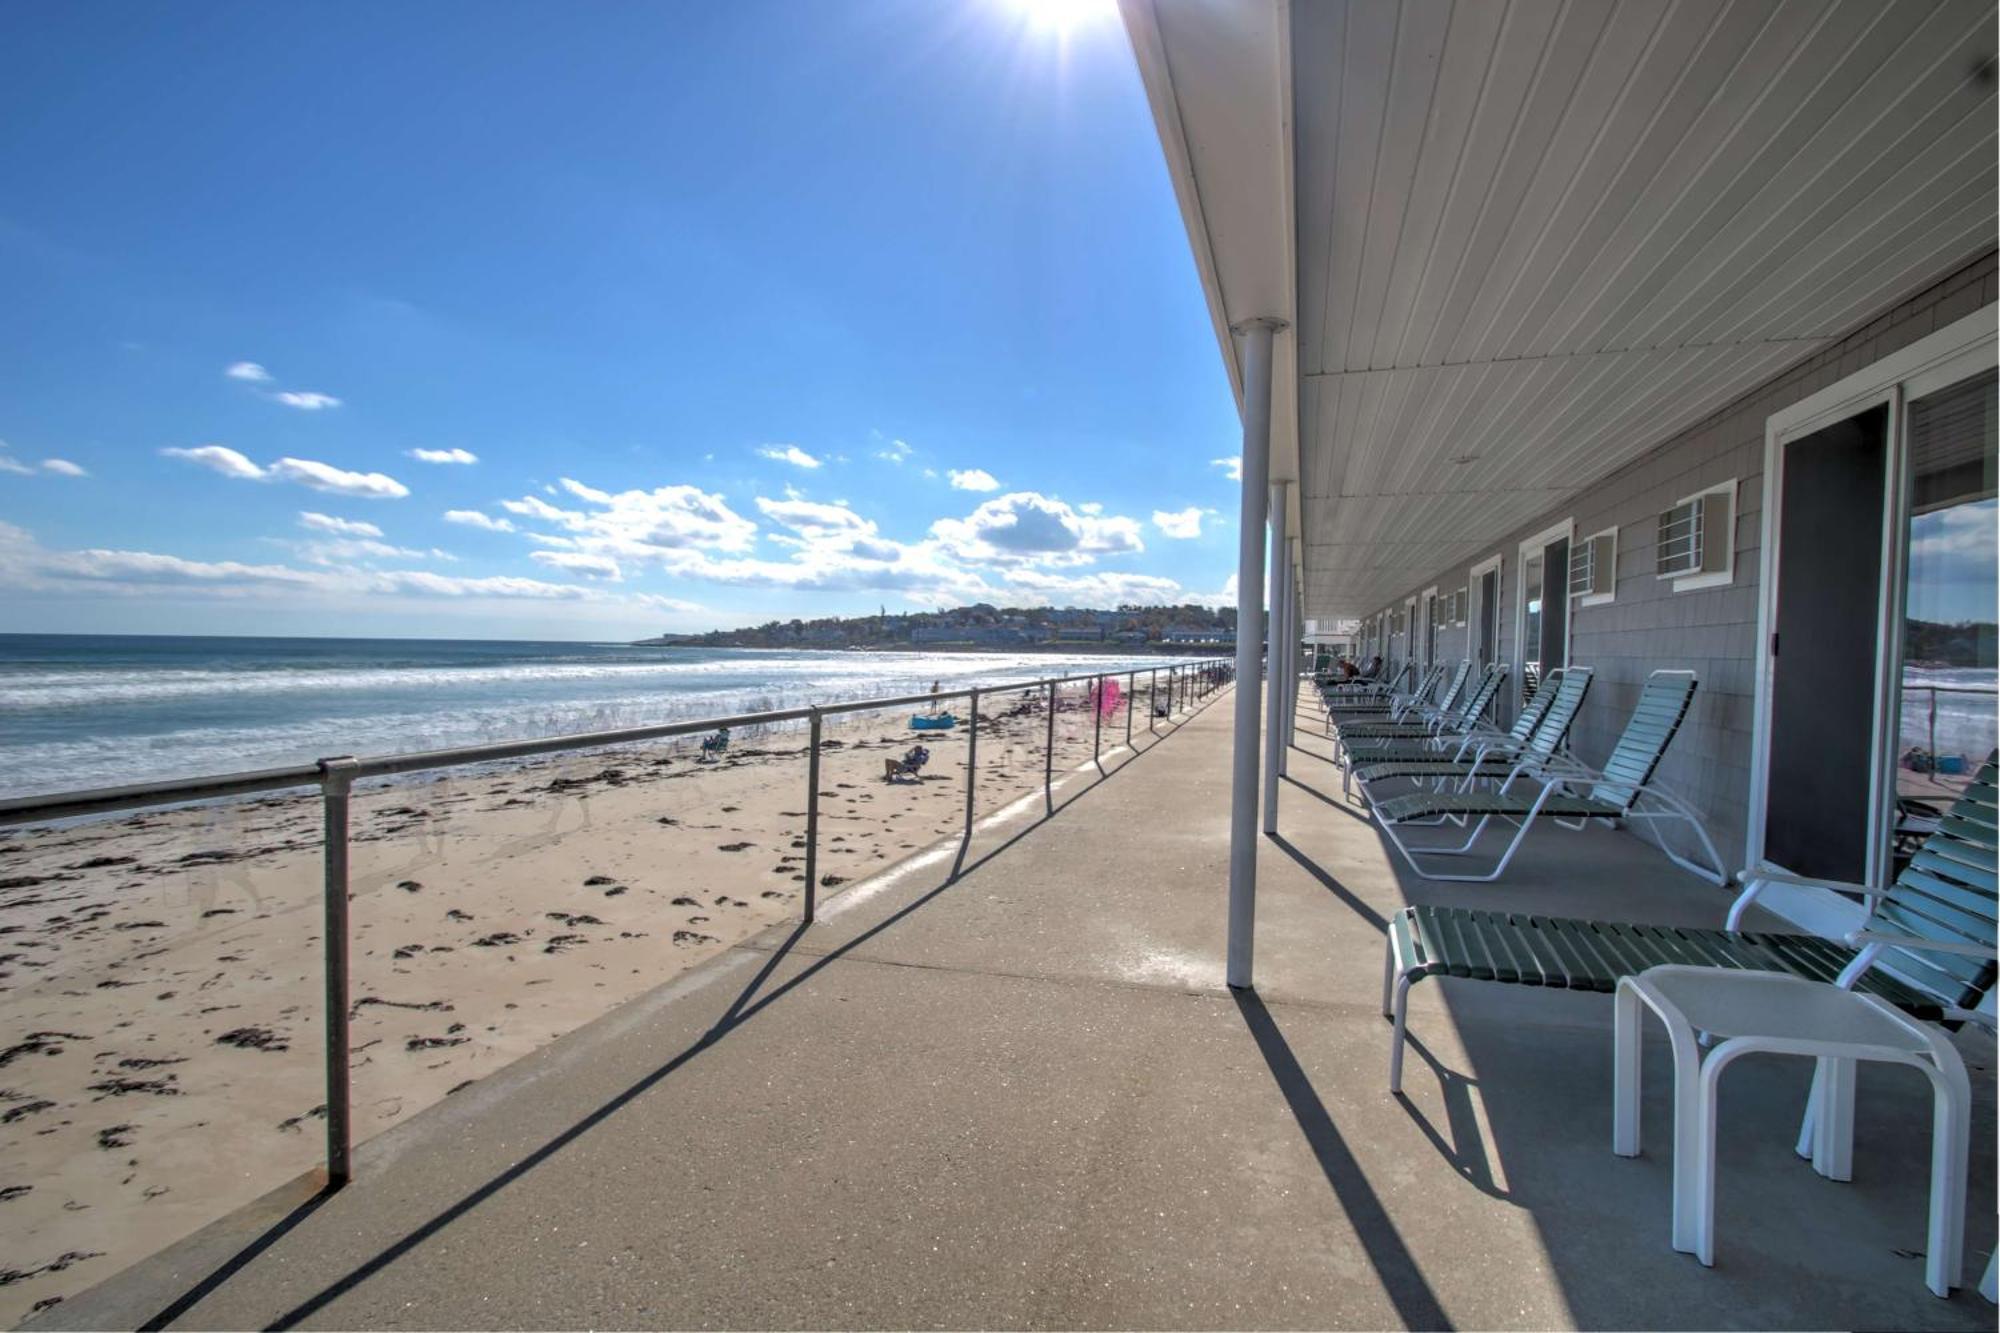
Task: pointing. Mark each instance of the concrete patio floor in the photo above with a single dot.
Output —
(1024, 1098)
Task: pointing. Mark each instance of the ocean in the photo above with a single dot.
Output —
(100, 710)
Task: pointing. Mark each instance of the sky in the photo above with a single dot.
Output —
(548, 321)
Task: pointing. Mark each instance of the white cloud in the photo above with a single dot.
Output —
(248, 370)
(219, 458)
(580, 562)
(444, 455)
(973, 479)
(895, 451)
(62, 467)
(344, 527)
(305, 401)
(1094, 507)
(15, 466)
(472, 518)
(27, 565)
(814, 519)
(346, 550)
(1026, 528)
(1232, 466)
(1095, 589)
(788, 453)
(1180, 523)
(306, 472)
(643, 525)
(337, 481)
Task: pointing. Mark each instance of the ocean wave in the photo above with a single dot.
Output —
(32, 690)
(66, 750)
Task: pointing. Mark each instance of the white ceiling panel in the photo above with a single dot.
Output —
(1534, 240)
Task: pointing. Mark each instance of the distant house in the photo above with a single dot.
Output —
(1198, 636)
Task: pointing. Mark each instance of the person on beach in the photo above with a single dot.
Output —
(937, 688)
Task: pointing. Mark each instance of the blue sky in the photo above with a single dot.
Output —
(743, 311)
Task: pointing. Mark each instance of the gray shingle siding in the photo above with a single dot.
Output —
(1714, 630)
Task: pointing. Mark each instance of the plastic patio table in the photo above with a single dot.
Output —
(1770, 1012)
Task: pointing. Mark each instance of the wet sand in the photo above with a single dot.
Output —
(160, 974)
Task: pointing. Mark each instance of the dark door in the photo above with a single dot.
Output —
(1816, 812)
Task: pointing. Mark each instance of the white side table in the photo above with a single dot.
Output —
(1784, 1015)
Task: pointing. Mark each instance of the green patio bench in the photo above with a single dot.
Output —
(1925, 946)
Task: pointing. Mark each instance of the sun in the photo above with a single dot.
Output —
(1063, 17)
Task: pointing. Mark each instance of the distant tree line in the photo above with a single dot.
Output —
(981, 623)
(1963, 643)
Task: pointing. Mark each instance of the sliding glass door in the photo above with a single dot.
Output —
(1944, 697)
(1876, 696)
(1542, 644)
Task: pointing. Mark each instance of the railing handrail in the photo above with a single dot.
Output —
(78, 802)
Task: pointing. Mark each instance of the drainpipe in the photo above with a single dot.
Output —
(1257, 337)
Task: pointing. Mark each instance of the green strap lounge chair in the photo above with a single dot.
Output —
(1381, 685)
(1537, 735)
(1925, 945)
(1391, 705)
(1561, 788)
(1422, 715)
(1362, 738)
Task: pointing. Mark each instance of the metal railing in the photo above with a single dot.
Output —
(1186, 683)
(1931, 721)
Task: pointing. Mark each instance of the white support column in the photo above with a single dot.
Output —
(1274, 657)
(1295, 624)
(1257, 337)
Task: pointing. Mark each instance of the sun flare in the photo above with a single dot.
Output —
(1063, 17)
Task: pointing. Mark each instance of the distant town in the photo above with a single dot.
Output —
(983, 627)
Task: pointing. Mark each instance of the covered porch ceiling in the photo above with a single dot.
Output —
(1519, 245)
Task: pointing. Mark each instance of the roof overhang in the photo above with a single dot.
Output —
(1520, 246)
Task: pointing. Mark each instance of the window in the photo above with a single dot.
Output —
(1458, 607)
(1593, 570)
(1697, 542)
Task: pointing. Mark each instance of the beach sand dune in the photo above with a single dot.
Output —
(160, 975)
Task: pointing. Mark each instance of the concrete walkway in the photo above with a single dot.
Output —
(1024, 1098)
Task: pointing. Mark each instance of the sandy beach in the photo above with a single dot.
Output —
(160, 975)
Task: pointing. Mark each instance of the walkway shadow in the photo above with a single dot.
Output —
(1332, 885)
(1466, 1149)
(238, 1261)
(739, 1009)
(1345, 808)
(1401, 1277)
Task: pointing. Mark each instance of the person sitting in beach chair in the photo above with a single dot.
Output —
(713, 746)
(911, 765)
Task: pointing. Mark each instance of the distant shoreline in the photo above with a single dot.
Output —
(1018, 649)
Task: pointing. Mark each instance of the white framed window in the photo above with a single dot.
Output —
(1593, 569)
(1697, 539)
(1457, 603)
